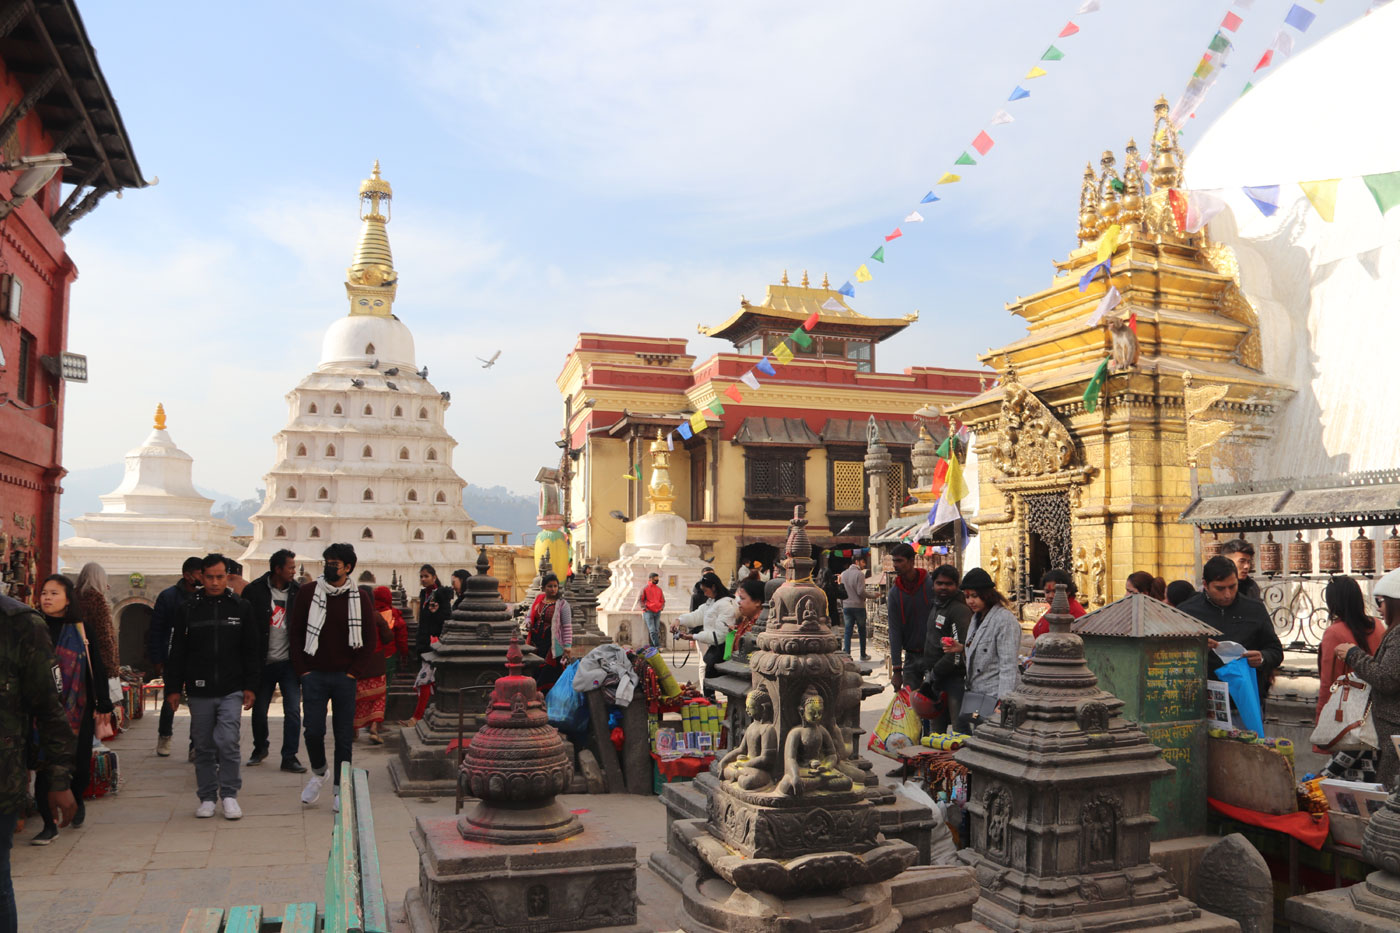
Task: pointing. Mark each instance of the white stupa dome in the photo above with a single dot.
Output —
(361, 337)
(1325, 293)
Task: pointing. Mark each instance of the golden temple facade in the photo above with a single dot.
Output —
(1096, 490)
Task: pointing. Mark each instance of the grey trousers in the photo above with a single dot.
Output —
(214, 725)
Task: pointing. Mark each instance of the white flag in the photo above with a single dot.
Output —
(944, 512)
(1244, 4)
(1089, 6)
(831, 304)
(1282, 44)
(1107, 303)
(1371, 261)
(1002, 117)
(914, 218)
(670, 444)
(749, 379)
(1201, 208)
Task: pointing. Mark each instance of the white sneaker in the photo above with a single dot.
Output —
(312, 791)
(335, 807)
(205, 810)
(232, 811)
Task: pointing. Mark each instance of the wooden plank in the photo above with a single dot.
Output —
(376, 909)
(636, 746)
(203, 920)
(344, 912)
(299, 918)
(246, 919)
(602, 746)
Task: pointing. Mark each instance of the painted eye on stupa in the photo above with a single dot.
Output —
(364, 301)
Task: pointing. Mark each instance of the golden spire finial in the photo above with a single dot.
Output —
(660, 493)
(1130, 216)
(1109, 187)
(1088, 204)
(1167, 157)
(826, 283)
(785, 278)
(371, 281)
(160, 417)
(805, 283)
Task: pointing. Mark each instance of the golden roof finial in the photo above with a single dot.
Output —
(1110, 186)
(785, 278)
(1088, 204)
(805, 283)
(1167, 157)
(371, 281)
(660, 493)
(1130, 216)
(826, 283)
(160, 417)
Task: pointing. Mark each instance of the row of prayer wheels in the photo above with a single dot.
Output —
(1329, 554)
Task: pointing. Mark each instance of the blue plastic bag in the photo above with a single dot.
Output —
(1244, 690)
(563, 702)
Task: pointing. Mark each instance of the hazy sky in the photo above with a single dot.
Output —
(558, 167)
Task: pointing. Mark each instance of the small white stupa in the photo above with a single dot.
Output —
(655, 544)
(153, 520)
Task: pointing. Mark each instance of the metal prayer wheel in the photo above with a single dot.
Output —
(1390, 551)
(1270, 556)
(1211, 548)
(1363, 554)
(1299, 556)
(1329, 554)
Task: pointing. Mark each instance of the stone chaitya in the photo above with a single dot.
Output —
(470, 655)
(1370, 907)
(1059, 796)
(517, 860)
(790, 831)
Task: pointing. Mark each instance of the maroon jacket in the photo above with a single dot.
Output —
(334, 653)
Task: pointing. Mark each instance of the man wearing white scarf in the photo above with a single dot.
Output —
(331, 639)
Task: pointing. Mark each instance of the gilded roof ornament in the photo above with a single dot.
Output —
(1110, 192)
(805, 283)
(160, 417)
(1088, 204)
(1032, 440)
(1167, 157)
(1130, 214)
(784, 279)
(371, 280)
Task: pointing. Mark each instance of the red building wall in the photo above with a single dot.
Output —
(31, 432)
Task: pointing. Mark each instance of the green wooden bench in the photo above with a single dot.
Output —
(354, 894)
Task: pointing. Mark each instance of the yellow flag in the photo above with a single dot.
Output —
(956, 490)
(782, 354)
(1108, 242)
(1323, 195)
(1036, 72)
(698, 422)
(948, 178)
(863, 274)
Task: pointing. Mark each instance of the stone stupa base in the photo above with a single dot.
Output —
(1185, 917)
(423, 769)
(1338, 911)
(586, 882)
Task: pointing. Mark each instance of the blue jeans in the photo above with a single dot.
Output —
(9, 918)
(278, 674)
(855, 618)
(214, 727)
(319, 688)
(653, 621)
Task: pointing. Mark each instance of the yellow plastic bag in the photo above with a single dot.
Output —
(898, 728)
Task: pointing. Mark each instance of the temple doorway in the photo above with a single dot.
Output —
(765, 554)
(1049, 540)
(133, 627)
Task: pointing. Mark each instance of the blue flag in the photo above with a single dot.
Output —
(684, 431)
(930, 198)
(766, 367)
(848, 290)
(1093, 271)
(1299, 18)
(1265, 197)
(1019, 93)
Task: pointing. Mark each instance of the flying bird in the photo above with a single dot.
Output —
(357, 383)
(391, 371)
(423, 373)
(446, 396)
(487, 364)
(849, 526)
(391, 385)
(374, 364)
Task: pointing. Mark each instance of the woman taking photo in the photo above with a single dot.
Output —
(1351, 627)
(993, 647)
(550, 630)
(709, 623)
(83, 692)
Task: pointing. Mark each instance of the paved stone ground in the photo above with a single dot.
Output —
(142, 859)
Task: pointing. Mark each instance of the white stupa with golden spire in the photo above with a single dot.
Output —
(365, 457)
(655, 544)
(152, 521)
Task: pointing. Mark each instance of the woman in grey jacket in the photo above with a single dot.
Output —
(1382, 672)
(993, 644)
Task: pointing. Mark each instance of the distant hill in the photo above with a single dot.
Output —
(492, 505)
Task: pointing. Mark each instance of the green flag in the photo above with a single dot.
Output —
(878, 255)
(1219, 43)
(637, 472)
(1095, 386)
(1116, 184)
(1385, 188)
(800, 338)
(716, 406)
(1249, 85)
(1052, 54)
(946, 447)
(965, 159)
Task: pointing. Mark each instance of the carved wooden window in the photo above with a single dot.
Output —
(1049, 539)
(847, 486)
(775, 481)
(898, 486)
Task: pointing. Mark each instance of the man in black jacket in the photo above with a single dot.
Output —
(169, 604)
(271, 596)
(1239, 619)
(215, 661)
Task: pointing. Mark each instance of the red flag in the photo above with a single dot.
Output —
(1132, 321)
(733, 392)
(894, 236)
(1069, 30)
(1264, 61)
(1178, 204)
(1231, 22)
(983, 143)
(811, 320)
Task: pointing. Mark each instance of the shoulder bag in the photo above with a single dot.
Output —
(1345, 723)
